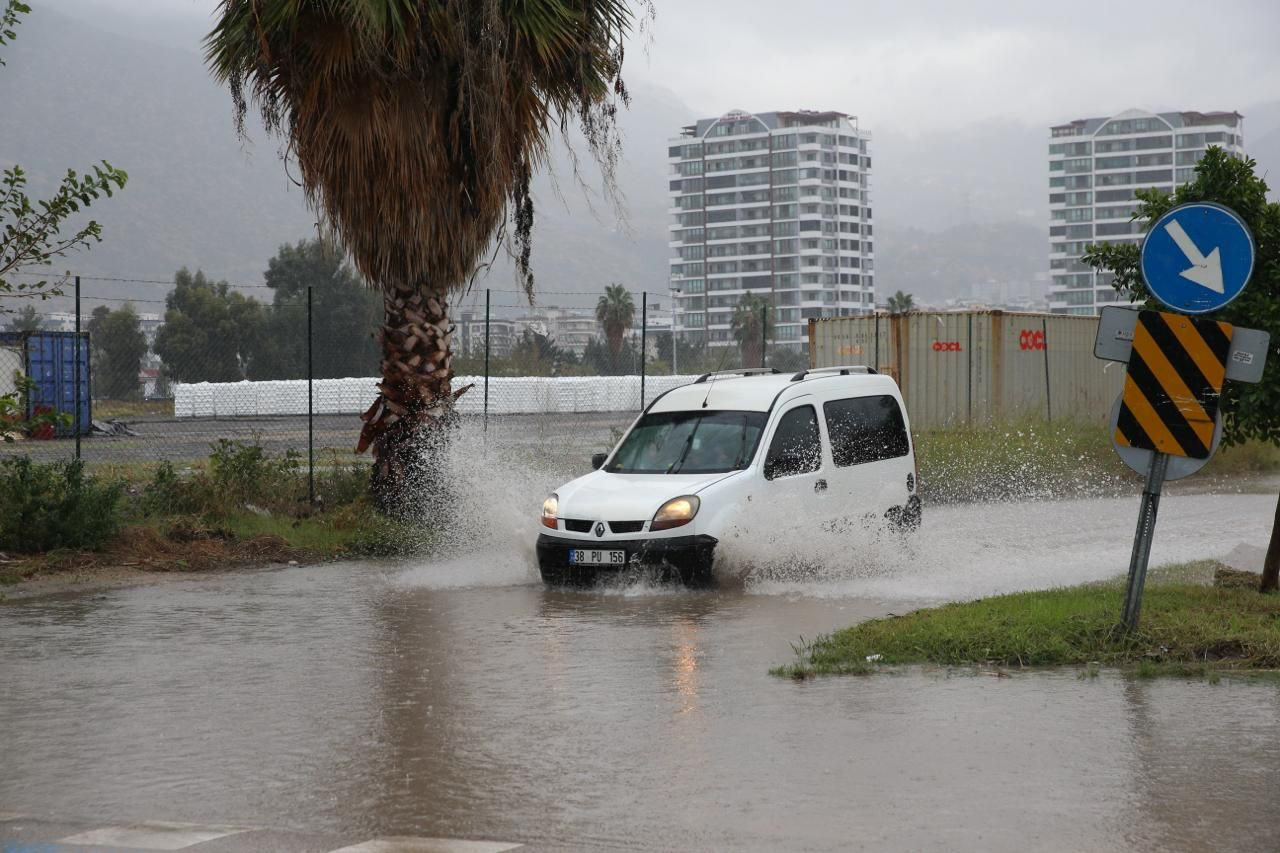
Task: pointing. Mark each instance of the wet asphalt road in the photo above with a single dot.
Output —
(459, 699)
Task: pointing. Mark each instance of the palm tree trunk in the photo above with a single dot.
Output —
(1271, 564)
(405, 426)
(615, 347)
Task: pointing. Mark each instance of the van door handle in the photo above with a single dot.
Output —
(820, 486)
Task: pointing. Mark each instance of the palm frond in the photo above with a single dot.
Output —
(418, 124)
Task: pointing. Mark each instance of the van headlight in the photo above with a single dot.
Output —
(550, 509)
(675, 512)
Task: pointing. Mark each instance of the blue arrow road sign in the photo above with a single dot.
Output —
(1197, 257)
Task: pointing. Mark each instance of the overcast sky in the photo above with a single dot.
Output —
(932, 64)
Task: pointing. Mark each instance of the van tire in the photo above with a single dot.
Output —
(697, 576)
(905, 519)
(911, 515)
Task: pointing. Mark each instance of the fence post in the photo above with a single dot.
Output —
(75, 421)
(644, 340)
(969, 346)
(764, 335)
(1048, 396)
(877, 355)
(311, 413)
(675, 344)
(486, 359)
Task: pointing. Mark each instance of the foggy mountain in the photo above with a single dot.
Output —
(84, 83)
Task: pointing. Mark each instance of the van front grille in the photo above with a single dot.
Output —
(626, 526)
(578, 525)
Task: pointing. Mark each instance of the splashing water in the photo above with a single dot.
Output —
(961, 551)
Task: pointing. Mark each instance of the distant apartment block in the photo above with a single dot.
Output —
(1096, 165)
(502, 334)
(773, 203)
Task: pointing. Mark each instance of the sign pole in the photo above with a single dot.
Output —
(1142, 539)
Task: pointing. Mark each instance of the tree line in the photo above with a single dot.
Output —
(213, 333)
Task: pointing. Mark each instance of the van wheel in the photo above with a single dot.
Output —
(693, 571)
(905, 519)
(696, 576)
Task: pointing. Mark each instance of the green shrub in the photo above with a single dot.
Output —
(243, 472)
(242, 476)
(44, 506)
(341, 482)
(167, 494)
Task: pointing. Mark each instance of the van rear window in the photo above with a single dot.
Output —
(865, 429)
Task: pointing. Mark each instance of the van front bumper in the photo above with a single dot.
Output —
(688, 554)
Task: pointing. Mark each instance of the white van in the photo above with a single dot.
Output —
(823, 445)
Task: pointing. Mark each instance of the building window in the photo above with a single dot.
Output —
(1115, 195)
(1075, 297)
(1114, 162)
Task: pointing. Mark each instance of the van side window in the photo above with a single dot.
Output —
(865, 429)
(796, 447)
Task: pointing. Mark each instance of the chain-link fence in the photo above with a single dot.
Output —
(169, 370)
(166, 376)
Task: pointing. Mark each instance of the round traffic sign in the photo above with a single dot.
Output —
(1179, 466)
(1197, 257)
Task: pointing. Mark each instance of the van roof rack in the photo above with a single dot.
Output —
(843, 370)
(750, 371)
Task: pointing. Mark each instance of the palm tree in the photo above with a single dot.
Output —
(615, 313)
(750, 322)
(416, 126)
(901, 303)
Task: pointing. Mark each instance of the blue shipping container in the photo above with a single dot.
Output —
(49, 360)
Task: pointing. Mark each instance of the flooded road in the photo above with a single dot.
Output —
(459, 698)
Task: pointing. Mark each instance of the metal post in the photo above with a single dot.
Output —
(969, 346)
(311, 413)
(486, 359)
(675, 344)
(877, 356)
(1142, 539)
(1048, 396)
(75, 421)
(764, 335)
(644, 339)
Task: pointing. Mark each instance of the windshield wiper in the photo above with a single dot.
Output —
(674, 467)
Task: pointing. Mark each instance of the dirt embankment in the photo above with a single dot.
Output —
(141, 552)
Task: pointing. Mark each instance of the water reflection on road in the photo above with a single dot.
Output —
(401, 700)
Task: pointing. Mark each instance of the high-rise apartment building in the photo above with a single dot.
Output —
(776, 204)
(1095, 165)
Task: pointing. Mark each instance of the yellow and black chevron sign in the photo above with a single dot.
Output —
(1173, 384)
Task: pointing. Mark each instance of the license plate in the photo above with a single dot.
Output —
(588, 557)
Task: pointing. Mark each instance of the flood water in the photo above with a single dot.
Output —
(459, 698)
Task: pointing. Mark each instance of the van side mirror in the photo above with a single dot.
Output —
(597, 460)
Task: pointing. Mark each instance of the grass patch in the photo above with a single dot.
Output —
(238, 507)
(1035, 459)
(1185, 629)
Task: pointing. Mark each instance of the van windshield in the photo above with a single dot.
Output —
(689, 443)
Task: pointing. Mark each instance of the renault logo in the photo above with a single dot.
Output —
(599, 528)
